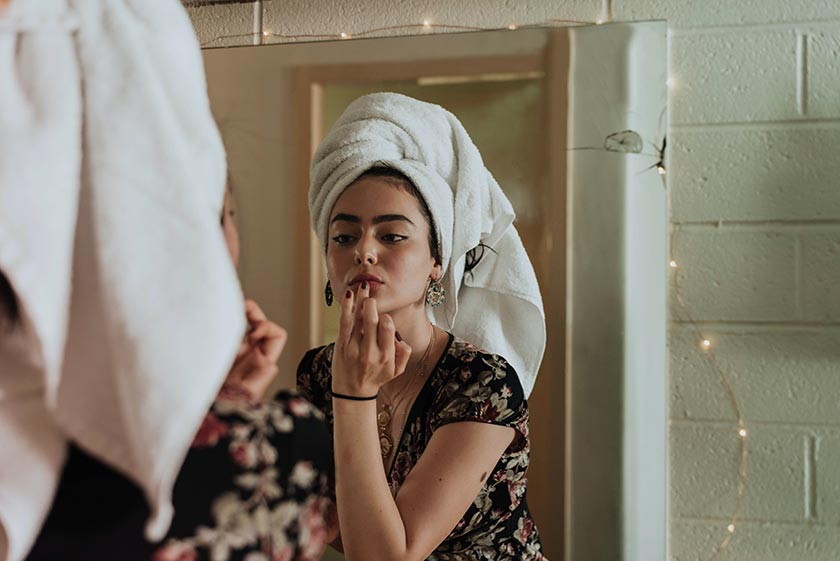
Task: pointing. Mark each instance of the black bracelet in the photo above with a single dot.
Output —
(352, 397)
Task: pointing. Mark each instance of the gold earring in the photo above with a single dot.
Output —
(435, 293)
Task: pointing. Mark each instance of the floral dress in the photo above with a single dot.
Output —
(254, 486)
(467, 384)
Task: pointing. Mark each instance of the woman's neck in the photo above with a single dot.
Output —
(416, 330)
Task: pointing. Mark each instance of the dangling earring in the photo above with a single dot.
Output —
(435, 293)
(328, 294)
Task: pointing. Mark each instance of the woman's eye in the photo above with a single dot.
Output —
(342, 239)
(393, 238)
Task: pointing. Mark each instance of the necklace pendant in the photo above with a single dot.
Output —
(386, 444)
(383, 417)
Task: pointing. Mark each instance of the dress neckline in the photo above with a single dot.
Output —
(413, 410)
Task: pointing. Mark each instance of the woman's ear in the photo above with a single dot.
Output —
(437, 271)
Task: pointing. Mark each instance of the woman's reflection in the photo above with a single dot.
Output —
(414, 227)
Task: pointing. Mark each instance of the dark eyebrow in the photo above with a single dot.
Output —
(345, 218)
(391, 218)
(376, 220)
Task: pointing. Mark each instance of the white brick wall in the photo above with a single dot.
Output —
(756, 215)
(754, 174)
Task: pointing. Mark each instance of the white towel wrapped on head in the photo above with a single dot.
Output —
(497, 304)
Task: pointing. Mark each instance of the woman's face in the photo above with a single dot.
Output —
(229, 228)
(378, 234)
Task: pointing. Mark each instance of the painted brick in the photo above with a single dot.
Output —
(790, 376)
(296, 16)
(824, 73)
(724, 12)
(704, 464)
(768, 174)
(734, 275)
(211, 23)
(821, 275)
(827, 487)
(697, 541)
(734, 77)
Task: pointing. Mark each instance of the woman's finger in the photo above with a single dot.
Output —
(402, 352)
(265, 330)
(273, 346)
(253, 312)
(370, 323)
(361, 295)
(387, 339)
(346, 319)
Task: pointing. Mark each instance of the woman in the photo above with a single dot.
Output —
(254, 483)
(414, 227)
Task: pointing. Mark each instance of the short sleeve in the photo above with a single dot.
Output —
(485, 389)
(310, 375)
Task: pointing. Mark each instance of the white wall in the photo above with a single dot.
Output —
(755, 201)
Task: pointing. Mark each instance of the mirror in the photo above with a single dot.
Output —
(548, 109)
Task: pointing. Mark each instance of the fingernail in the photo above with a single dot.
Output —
(348, 294)
(364, 285)
(398, 336)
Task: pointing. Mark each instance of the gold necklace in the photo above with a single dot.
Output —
(385, 414)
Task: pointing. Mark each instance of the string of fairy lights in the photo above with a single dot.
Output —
(704, 342)
(707, 346)
(269, 37)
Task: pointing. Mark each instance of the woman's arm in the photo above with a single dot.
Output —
(442, 485)
(436, 494)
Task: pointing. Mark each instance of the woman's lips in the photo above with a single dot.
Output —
(373, 284)
(370, 279)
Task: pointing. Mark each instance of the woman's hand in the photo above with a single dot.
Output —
(367, 352)
(256, 362)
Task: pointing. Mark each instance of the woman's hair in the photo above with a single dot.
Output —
(9, 312)
(398, 179)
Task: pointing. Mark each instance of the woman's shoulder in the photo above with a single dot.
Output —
(478, 365)
(316, 357)
(479, 385)
(313, 374)
(477, 374)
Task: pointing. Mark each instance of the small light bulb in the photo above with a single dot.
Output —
(512, 27)
(266, 33)
(670, 82)
(599, 21)
(344, 35)
(672, 264)
(731, 528)
(661, 170)
(743, 433)
(706, 343)
(427, 23)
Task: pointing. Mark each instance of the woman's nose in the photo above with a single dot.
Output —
(365, 254)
